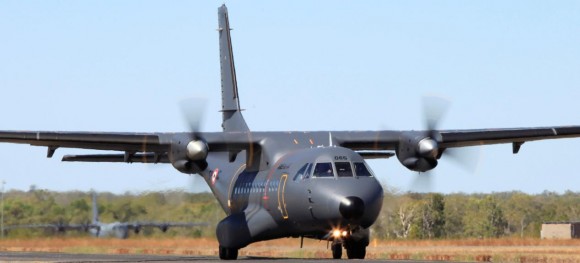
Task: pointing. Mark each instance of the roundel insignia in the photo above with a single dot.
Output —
(214, 175)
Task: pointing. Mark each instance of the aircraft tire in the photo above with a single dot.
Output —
(356, 252)
(336, 251)
(228, 253)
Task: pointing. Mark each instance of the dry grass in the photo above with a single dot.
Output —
(481, 250)
(496, 250)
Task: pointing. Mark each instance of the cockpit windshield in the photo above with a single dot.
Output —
(304, 172)
(343, 169)
(323, 170)
(361, 169)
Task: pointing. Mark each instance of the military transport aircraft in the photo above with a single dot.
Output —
(313, 184)
(99, 229)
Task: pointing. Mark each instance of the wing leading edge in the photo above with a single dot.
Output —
(390, 140)
(462, 138)
(131, 143)
(136, 147)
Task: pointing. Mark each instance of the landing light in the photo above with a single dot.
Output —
(337, 233)
(346, 202)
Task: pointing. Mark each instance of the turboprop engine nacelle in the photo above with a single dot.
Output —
(188, 155)
(418, 153)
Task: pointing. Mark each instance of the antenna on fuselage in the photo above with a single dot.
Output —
(330, 142)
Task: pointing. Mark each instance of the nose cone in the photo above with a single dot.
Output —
(352, 207)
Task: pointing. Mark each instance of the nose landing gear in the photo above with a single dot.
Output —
(355, 250)
(228, 253)
(336, 249)
(354, 242)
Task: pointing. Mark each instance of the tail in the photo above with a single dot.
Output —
(95, 209)
(232, 115)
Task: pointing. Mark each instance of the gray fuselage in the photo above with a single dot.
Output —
(305, 191)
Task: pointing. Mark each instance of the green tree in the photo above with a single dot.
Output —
(385, 225)
(126, 211)
(520, 210)
(405, 217)
(455, 209)
(485, 218)
(433, 216)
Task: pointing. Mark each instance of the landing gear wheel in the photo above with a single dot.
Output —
(336, 251)
(228, 253)
(356, 252)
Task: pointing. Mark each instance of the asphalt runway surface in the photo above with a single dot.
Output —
(64, 257)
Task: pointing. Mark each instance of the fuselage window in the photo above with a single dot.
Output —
(361, 170)
(343, 169)
(323, 170)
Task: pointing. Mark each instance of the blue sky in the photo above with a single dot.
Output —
(325, 65)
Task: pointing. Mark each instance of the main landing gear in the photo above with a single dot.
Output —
(228, 253)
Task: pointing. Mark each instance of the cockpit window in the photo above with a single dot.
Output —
(304, 172)
(323, 170)
(308, 171)
(361, 170)
(343, 169)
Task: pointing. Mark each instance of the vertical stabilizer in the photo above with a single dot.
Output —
(232, 115)
(95, 208)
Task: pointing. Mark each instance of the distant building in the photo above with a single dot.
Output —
(560, 230)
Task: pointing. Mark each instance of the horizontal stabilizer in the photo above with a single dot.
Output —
(375, 154)
(118, 158)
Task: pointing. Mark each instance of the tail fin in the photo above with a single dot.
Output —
(232, 115)
(95, 209)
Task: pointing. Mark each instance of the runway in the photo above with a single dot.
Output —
(65, 257)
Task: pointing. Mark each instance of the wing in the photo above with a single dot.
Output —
(55, 227)
(461, 138)
(420, 150)
(391, 140)
(135, 147)
(43, 226)
(131, 143)
(163, 226)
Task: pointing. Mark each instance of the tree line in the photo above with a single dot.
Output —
(47, 207)
(459, 215)
(405, 215)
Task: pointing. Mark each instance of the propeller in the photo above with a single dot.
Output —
(422, 182)
(195, 184)
(188, 153)
(434, 109)
(467, 158)
(192, 110)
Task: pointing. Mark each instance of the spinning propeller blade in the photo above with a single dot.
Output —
(434, 109)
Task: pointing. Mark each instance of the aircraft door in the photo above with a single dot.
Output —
(281, 196)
